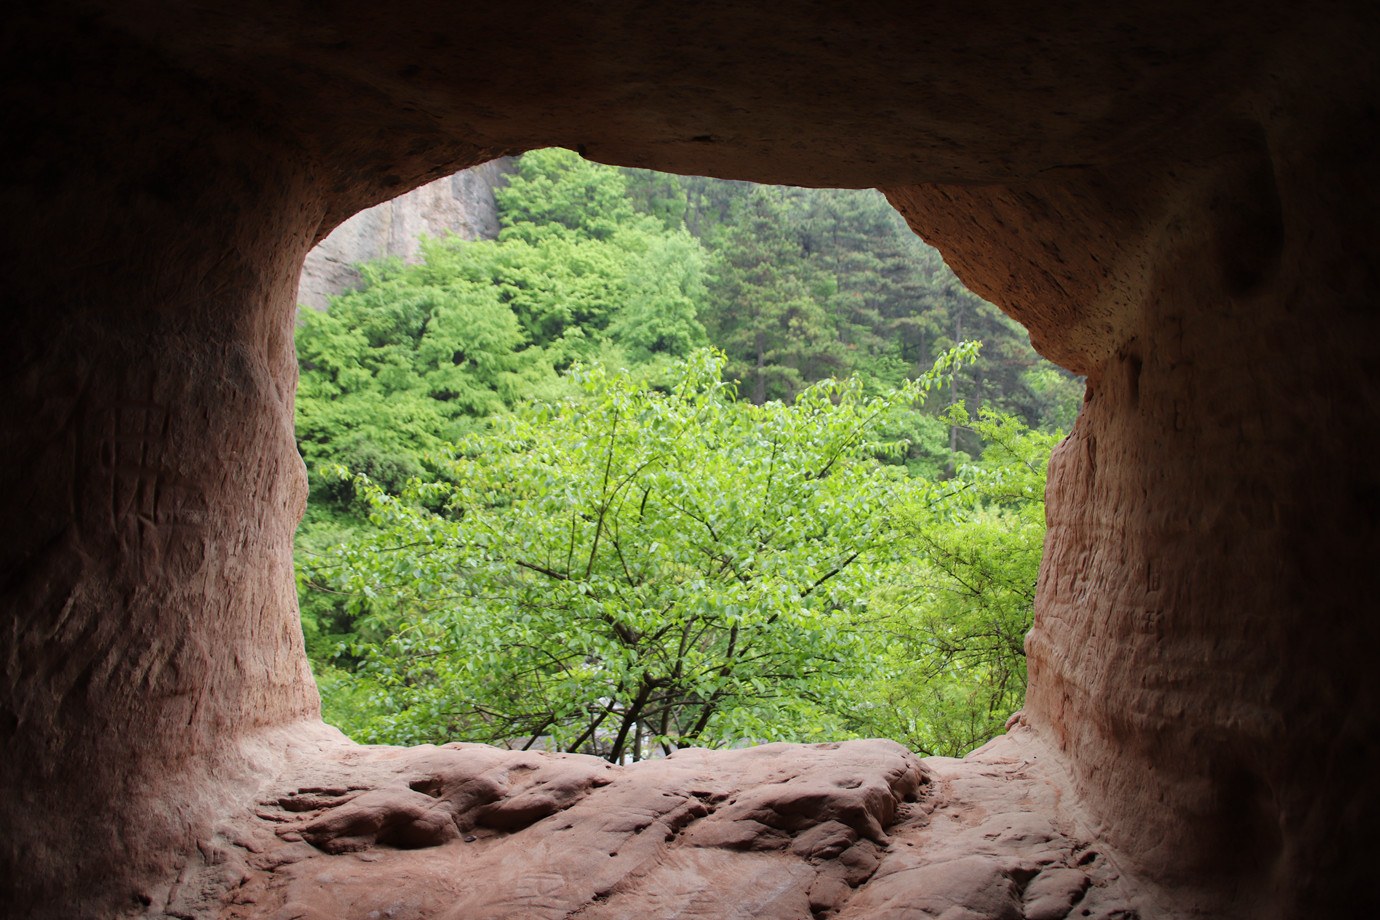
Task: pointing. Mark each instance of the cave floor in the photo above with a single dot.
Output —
(856, 829)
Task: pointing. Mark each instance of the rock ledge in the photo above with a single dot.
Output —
(857, 829)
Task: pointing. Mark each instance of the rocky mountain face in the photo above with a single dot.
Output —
(462, 204)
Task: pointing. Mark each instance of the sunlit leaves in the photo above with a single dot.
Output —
(634, 568)
(955, 613)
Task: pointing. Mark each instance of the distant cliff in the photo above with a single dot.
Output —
(462, 203)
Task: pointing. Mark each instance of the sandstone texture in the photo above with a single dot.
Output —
(1179, 200)
(858, 829)
(462, 204)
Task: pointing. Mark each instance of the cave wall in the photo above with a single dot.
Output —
(1178, 202)
(1201, 636)
(151, 482)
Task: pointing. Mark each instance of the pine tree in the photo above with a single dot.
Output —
(772, 319)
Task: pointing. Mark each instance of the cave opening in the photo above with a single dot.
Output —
(526, 270)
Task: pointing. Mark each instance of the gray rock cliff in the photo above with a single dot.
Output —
(463, 204)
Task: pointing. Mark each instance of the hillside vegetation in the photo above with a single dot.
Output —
(672, 461)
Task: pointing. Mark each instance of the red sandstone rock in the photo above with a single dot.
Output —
(859, 830)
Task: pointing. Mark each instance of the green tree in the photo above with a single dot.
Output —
(881, 274)
(557, 188)
(392, 370)
(634, 569)
(584, 270)
(663, 293)
(824, 282)
(953, 615)
(771, 317)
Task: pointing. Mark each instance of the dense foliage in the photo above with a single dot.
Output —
(634, 568)
(446, 390)
(952, 616)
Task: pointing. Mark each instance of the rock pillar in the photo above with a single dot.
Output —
(151, 487)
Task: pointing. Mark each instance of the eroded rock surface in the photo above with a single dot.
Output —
(858, 829)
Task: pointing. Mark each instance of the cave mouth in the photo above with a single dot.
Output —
(642, 269)
(1180, 207)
